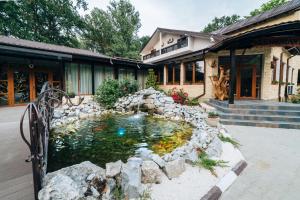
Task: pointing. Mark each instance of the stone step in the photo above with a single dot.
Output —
(281, 118)
(256, 111)
(257, 123)
(259, 106)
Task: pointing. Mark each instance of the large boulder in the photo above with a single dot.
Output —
(151, 172)
(81, 175)
(60, 187)
(174, 168)
(158, 160)
(113, 169)
(131, 179)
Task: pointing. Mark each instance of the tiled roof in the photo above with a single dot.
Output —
(283, 9)
(48, 47)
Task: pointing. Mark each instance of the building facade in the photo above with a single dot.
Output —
(264, 71)
(26, 65)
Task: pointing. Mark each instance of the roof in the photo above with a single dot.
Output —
(178, 32)
(183, 32)
(48, 47)
(283, 9)
(284, 34)
(45, 47)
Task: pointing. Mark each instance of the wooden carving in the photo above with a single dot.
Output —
(221, 84)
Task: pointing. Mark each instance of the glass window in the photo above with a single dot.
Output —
(72, 78)
(130, 74)
(170, 74)
(122, 74)
(159, 72)
(21, 87)
(99, 76)
(188, 73)
(85, 79)
(109, 72)
(3, 86)
(199, 71)
(141, 78)
(177, 74)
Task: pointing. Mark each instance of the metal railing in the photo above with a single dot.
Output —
(178, 45)
(39, 115)
(151, 55)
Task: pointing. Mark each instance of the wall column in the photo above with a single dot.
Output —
(181, 73)
(232, 79)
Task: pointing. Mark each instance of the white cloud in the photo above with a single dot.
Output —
(183, 14)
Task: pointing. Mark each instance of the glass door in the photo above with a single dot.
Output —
(246, 82)
(21, 86)
(3, 86)
(40, 79)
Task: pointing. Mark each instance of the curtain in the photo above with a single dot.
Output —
(85, 79)
(72, 77)
(99, 76)
(109, 72)
(141, 79)
(122, 74)
(130, 74)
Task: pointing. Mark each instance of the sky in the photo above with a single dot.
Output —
(190, 15)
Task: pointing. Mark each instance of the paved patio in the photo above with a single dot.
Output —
(15, 174)
(273, 171)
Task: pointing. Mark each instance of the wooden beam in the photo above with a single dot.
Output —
(232, 80)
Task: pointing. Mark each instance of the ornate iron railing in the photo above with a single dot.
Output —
(39, 115)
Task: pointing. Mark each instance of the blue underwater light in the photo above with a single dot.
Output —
(121, 131)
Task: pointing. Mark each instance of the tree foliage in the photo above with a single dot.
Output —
(220, 22)
(267, 6)
(114, 32)
(55, 21)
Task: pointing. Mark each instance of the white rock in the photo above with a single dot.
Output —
(158, 160)
(151, 172)
(214, 149)
(174, 168)
(113, 169)
(131, 180)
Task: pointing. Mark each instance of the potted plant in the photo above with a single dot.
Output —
(212, 119)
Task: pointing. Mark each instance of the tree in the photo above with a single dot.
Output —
(114, 32)
(55, 21)
(267, 6)
(221, 22)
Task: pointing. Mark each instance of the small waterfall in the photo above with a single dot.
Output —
(140, 102)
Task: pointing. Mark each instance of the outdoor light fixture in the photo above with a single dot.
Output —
(31, 66)
(121, 131)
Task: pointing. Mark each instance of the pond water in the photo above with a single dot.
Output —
(115, 137)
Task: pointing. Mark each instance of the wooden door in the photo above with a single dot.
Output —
(246, 82)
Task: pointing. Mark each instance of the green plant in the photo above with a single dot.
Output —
(235, 143)
(128, 87)
(146, 195)
(209, 164)
(193, 102)
(151, 80)
(213, 115)
(108, 93)
(296, 98)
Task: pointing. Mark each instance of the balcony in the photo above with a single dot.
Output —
(181, 43)
(151, 55)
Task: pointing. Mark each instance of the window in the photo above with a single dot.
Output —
(78, 78)
(194, 72)
(126, 73)
(3, 86)
(159, 72)
(173, 74)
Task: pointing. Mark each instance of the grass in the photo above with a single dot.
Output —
(235, 143)
(205, 162)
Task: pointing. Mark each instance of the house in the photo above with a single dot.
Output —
(26, 65)
(264, 49)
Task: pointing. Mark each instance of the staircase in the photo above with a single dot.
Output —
(258, 113)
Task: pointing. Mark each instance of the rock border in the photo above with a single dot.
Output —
(224, 183)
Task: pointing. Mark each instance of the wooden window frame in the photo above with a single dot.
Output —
(173, 76)
(194, 81)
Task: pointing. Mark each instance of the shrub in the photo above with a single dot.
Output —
(179, 96)
(209, 164)
(128, 87)
(151, 80)
(110, 90)
(296, 98)
(213, 115)
(108, 93)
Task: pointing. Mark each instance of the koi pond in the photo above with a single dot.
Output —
(115, 137)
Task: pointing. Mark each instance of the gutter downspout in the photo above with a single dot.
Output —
(204, 81)
(287, 78)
